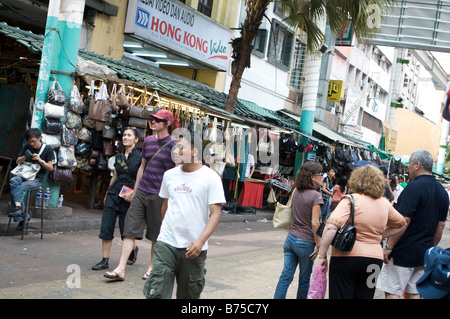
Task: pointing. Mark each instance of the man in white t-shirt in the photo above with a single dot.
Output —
(250, 166)
(193, 197)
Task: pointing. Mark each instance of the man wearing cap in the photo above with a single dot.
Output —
(424, 204)
(145, 208)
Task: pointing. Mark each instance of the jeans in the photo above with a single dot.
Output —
(296, 252)
(18, 188)
(325, 209)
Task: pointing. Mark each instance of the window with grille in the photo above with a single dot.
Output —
(280, 45)
(205, 7)
(297, 78)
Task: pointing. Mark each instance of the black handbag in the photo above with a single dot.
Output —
(346, 235)
(51, 126)
(56, 95)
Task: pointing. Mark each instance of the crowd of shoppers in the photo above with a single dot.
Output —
(397, 218)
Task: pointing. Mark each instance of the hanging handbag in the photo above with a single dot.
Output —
(69, 136)
(100, 106)
(61, 174)
(76, 103)
(121, 98)
(51, 126)
(282, 218)
(73, 120)
(108, 147)
(345, 237)
(53, 110)
(137, 122)
(54, 141)
(152, 106)
(109, 131)
(56, 95)
(28, 170)
(66, 157)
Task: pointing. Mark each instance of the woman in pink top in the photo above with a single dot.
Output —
(339, 192)
(353, 275)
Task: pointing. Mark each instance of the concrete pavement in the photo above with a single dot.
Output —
(245, 260)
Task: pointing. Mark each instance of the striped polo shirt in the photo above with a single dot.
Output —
(153, 174)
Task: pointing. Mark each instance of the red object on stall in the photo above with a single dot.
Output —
(252, 195)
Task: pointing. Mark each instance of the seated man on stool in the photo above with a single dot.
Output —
(17, 184)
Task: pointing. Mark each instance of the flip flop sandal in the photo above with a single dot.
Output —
(114, 277)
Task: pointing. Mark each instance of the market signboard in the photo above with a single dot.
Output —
(178, 27)
(352, 106)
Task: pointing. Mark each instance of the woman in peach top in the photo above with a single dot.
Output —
(353, 275)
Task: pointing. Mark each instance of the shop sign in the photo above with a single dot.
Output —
(335, 91)
(352, 106)
(180, 28)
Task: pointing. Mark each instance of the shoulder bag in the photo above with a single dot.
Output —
(282, 218)
(28, 170)
(346, 235)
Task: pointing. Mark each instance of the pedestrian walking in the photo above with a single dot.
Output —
(34, 156)
(117, 200)
(302, 243)
(375, 218)
(145, 207)
(339, 191)
(327, 190)
(424, 204)
(193, 198)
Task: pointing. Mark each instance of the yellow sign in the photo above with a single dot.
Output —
(334, 91)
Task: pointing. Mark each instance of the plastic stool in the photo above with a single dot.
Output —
(26, 222)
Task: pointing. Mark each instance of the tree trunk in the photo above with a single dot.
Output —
(242, 48)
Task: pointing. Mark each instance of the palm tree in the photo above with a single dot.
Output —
(303, 15)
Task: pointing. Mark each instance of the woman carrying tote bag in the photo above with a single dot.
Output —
(301, 245)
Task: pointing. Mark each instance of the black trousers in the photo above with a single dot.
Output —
(353, 277)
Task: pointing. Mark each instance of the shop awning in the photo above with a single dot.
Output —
(186, 90)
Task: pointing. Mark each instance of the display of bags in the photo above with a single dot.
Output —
(54, 141)
(73, 120)
(51, 126)
(100, 106)
(69, 136)
(121, 98)
(56, 95)
(109, 131)
(282, 218)
(53, 110)
(66, 157)
(152, 106)
(84, 134)
(76, 103)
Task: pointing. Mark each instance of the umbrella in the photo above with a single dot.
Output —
(356, 164)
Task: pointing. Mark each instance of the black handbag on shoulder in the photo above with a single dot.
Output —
(346, 235)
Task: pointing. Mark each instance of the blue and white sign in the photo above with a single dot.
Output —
(142, 18)
(178, 27)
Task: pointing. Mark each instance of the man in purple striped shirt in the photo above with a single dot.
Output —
(145, 208)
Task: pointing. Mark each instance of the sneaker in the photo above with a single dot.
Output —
(17, 213)
(101, 265)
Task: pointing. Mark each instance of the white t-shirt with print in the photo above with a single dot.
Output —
(190, 195)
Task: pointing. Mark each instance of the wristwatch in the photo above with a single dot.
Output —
(387, 247)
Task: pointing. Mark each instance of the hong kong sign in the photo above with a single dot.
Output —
(180, 28)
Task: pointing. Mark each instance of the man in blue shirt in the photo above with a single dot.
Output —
(424, 204)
